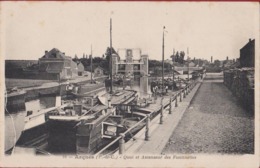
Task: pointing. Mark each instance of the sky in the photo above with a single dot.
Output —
(217, 29)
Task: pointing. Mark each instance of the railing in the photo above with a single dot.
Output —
(88, 111)
(121, 137)
(182, 94)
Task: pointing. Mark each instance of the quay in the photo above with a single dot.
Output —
(206, 118)
(162, 118)
(160, 133)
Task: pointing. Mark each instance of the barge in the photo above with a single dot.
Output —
(72, 130)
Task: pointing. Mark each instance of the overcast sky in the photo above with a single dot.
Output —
(208, 29)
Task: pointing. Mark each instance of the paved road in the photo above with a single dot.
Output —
(214, 123)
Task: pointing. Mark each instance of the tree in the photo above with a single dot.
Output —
(177, 57)
(217, 63)
(181, 59)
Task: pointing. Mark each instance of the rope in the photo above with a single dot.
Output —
(12, 121)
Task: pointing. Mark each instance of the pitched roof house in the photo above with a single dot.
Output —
(56, 62)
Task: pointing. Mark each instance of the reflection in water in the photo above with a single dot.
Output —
(14, 122)
(142, 86)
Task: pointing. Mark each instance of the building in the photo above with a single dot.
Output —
(168, 61)
(247, 54)
(98, 71)
(80, 69)
(191, 64)
(130, 65)
(55, 65)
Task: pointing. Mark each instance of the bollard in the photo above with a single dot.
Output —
(184, 93)
(161, 115)
(147, 133)
(176, 102)
(170, 109)
(180, 97)
(109, 103)
(121, 144)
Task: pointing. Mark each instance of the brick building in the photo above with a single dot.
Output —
(56, 65)
(247, 54)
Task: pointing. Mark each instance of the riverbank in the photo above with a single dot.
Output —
(24, 83)
(34, 88)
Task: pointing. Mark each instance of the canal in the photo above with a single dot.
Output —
(15, 120)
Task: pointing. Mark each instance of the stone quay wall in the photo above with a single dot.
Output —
(241, 83)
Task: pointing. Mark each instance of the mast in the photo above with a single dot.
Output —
(173, 68)
(91, 66)
(163, 60)
(188, 64)
(111, 66)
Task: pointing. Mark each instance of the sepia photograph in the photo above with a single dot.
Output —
(129, 84)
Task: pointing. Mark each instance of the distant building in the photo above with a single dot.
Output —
(227, 64)
(247, 54)
(191, 64)
(55, 65)
(80, 69)
(74, 68)
(168, 61)
(98, 71)
(130, 65)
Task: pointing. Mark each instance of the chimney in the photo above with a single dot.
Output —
(46, 51)
(211, 59)
(227, 58)
(63, 53)
(250, 40)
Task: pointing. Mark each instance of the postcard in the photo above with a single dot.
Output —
(129, 84)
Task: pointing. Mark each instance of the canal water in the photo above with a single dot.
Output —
(14, 121)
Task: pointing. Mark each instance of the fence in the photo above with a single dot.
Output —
(121, 139)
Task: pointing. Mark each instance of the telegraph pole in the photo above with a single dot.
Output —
(163, 60)
(111, 78)
(188, 64)
(173, 68)
(91, 67)
(173, 65)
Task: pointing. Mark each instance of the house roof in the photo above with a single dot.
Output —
(80, 67)
(55, 53)
(99, 67)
